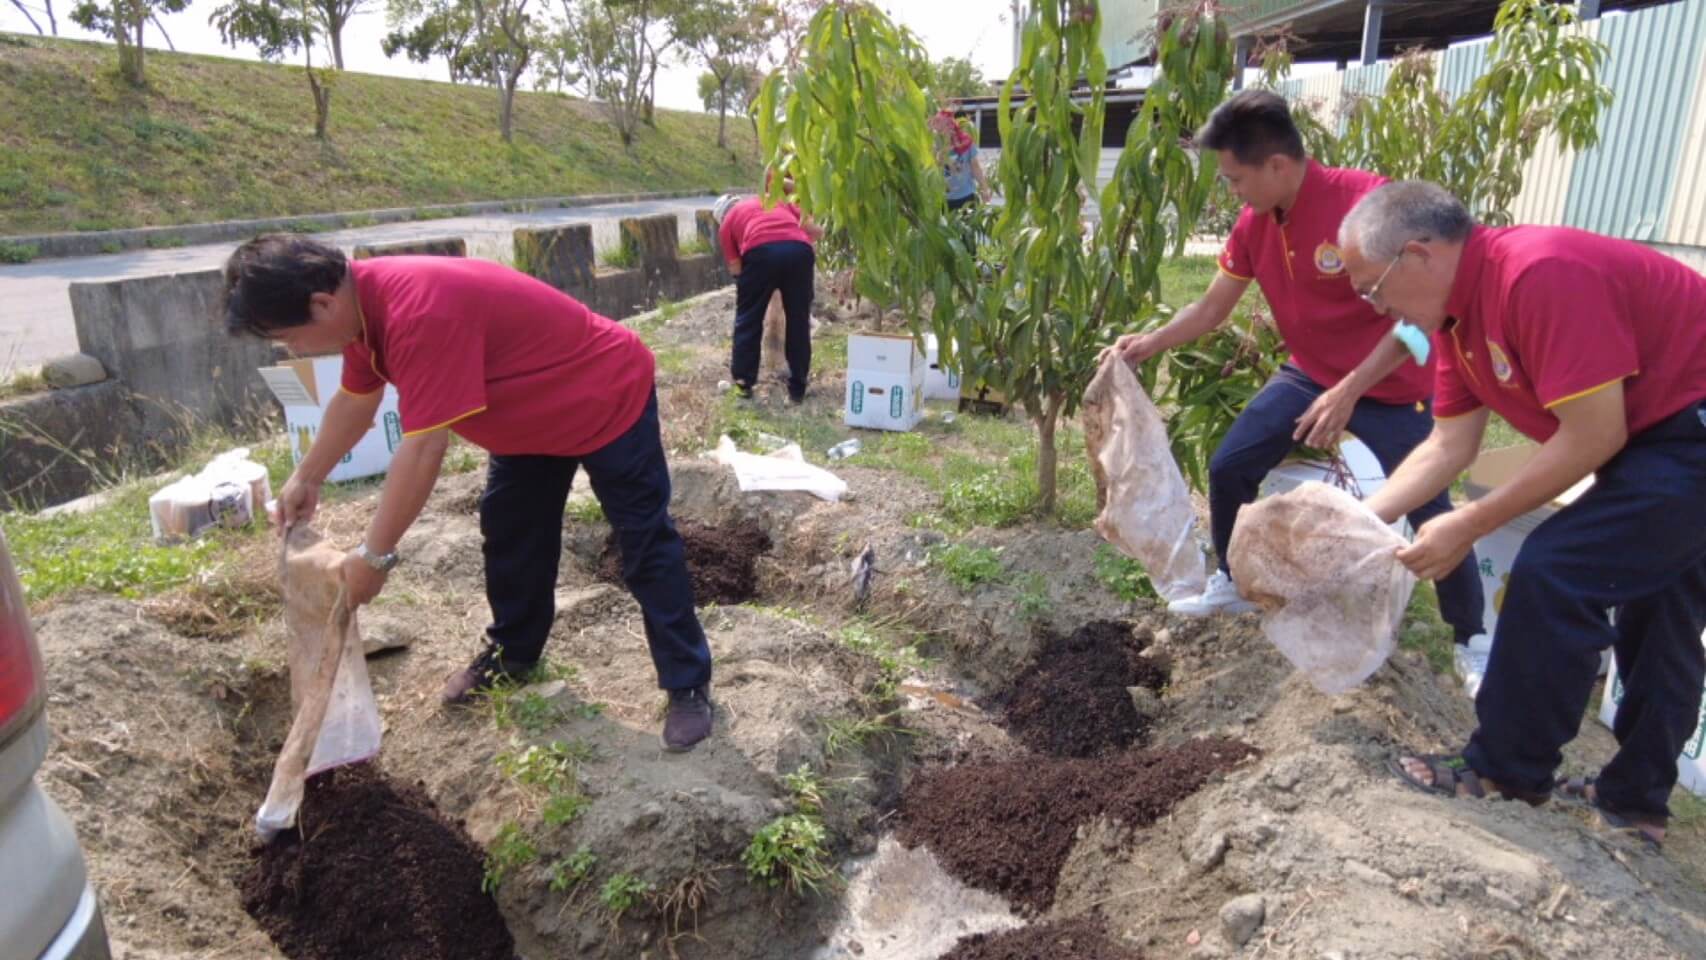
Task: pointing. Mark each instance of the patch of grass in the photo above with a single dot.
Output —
(585, 510)
(621, 256)
(463, 457)
(111, 246)
(551, 766)
(360, 220)
(514, 706)
(675, 361)
(967, 566)
(166, 242)
(1124, 577)
(573, 870)
(841, 734)
(18, 252)
(623, 892)
(791, 850)
(22, 383)
(511, 850)
(1424, 632)
(562, 809)
(698, 246)
(1031, 592)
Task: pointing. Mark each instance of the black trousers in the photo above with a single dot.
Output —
(786, 266)
(521, 520)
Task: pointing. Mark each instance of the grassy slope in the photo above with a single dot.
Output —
(215, 139)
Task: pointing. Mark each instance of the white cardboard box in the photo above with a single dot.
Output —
(304, 387)
(939, 383)
(885, 382)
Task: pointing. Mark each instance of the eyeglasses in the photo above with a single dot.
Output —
(1372, 296)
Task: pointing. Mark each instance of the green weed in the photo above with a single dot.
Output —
(967, 566)
(1122, 576)
(1424, 632)
(621, 256)
(562, 809)
(791, 850)
(551, 766)
(1032, 594)
(512, 706)
(167, 241)
(698, 246)
(511, 850)
(585, 510)
(573, 870)
(18, 252)
(622, 893)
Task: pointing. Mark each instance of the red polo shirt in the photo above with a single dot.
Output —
(509, 363)
(1543, 315)
(748, 225)
(1327, 326)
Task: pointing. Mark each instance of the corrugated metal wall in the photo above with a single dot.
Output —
(1646, 180)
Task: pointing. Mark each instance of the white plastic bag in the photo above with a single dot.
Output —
(786, 469)
(335, 719)
(1325, 572)
(1145, 505)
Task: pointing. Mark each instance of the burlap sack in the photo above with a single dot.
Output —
(1144, 505)
(1325, 572)
(336, 720)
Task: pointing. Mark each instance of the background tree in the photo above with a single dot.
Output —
(955, 78)
(726, 36)
(279, 28)
(506, 36)
(331, 16)
(425, 30)
(46, 10)
(1030, 308)
(123, 21)
(604, 46)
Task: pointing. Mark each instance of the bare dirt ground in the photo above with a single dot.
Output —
(166, 722)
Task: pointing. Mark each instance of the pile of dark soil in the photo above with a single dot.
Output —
(720, 559)
(1073, 701)
(381, 876)
(1008, 826)
(1081, 938)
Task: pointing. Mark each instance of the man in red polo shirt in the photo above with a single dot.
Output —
(1345, 368)
(1596, 348)
(768, 249)
(516, 367)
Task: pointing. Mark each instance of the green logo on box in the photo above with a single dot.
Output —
(858, 396)
(393, 431)
(896, 404)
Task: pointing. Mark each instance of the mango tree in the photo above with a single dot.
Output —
(1022, 296)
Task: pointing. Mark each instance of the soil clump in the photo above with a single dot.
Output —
(1081, 938)
(722, 560)
(373, 872)
(1008, 826)
(1075, 701)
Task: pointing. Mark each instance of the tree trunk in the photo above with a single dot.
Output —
(646, 115)
(722, 112)
(337, 33)
(1046, 454)
(162, 28)
(128, 18)
(52, 21)
(26, 12)
(508, 110)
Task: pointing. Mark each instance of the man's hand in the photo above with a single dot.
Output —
(1324, 422)
(362, 582)
(297, 502)
(1134, 348)
(1440, 545)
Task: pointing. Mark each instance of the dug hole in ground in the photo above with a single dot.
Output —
(1074, 776)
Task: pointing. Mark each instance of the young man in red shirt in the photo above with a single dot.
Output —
(768, 249)
(1345, 369)
(514, 366)
(1595, 348)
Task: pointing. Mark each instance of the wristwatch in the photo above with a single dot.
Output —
(383, 562)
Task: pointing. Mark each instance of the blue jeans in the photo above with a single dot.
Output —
(1635, 542)
(521, 521)
(786, 266)
(1261, 438)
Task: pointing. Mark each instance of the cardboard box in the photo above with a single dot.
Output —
(304, 387)
(1691, 763)
(939, 383)
(885, 382)
(1496, 552)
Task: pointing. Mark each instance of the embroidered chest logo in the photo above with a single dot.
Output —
(1327, 259)
(1501, 363)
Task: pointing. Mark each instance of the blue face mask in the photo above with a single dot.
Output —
(1414, 340)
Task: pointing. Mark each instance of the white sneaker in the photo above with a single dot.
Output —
(1220, 597)
(1470, 661)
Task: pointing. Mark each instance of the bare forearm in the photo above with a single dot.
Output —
(1194, 321)
(348, 417)
(1430, 468)
(408, 483)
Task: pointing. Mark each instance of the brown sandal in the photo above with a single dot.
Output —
(1451, 771)
(1636, 825)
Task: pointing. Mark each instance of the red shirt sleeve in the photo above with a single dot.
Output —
(726, 237)
(359, 376)
(1568, 334)
(439, 366)
(1451, 392)
(1235, 259)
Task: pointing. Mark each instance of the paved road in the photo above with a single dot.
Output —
(35, 309)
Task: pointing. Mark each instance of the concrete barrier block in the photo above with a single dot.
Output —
(561, 256)
(430, 247)
(164, 338)
(56, 446)
(73, 370)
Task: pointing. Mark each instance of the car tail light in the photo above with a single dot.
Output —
(20, 659)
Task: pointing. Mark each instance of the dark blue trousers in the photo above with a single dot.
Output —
(521, 520)
(1635, 543)
(786, 266)
(1261, 438)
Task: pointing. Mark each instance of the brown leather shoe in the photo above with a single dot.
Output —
(688, 720)
(487, 669)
